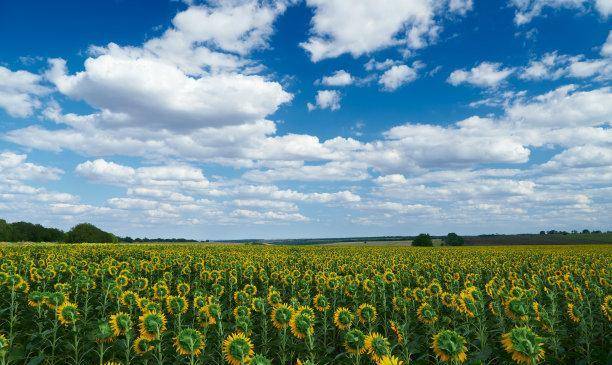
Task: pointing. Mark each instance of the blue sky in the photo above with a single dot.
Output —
(313, 118)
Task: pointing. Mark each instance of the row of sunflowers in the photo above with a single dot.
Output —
(237, 305)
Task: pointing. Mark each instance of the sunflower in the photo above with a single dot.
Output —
(320, 302)
(258, 305)
(302, 324)
(523, 345)
(517, 309)
(4, 343)
(274, 297)
(67, 313)
(151, 325)
(366, 313)
(199, 301)
(36, 299)
(241, 297)
(122, 281)
(449, 346)
(389, 360)
(160, 291)
(281, 316)
(354, 341)
(237, 349)
(606, 307)
(104, 332)
(121, 323)
(427, 314)
(396, 330)
(242, 311)
(129, 299)
(55, 299)
(204, 317)
(343, 318)
(142, 346)
(377, 346)
(389, 277)
(176, 305)
(573, 313)
(183, 289)
(189, 342)
(250, 289)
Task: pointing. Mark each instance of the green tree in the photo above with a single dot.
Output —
(422, 240)
(5, 231)
(453, 239)
(86, 232)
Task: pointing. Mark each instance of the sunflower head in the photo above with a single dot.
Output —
(242, 311)
(274, 298)
(377, 346)
(35, 299)
(142, 346)
(55, 299)
(354, 341)
(343, 318)
(281, 316)
(183, 289)
(129, 299)
(121, 323)
(523, 345)
(237, 349)
(321, 303)
(189, 342)
(258, 304)
(103, 333)
(152, 324)
(449, 346)
(302, 324)
(4, 343)
(366, 313)
(67, 313)
(427, 314)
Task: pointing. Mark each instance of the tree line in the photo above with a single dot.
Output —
(30, 232)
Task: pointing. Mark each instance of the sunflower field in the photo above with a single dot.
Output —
(215, 304)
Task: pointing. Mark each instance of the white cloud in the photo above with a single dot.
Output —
(526, 10)
(331, 171)
(358, 28)
(484, 75)
(264, 217)
(397, 76)
(20, 92)
(460, 6)
(581, 157)
(326, 99)
(103, 171)
(338, 78)
(604, 7)
(13, 166)
(148, 90)
(606, 49)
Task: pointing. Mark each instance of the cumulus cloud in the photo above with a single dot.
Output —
(358, 28)
(486, 74)
(338, 78)
(326, 99)
(397, 76)
(20, 92)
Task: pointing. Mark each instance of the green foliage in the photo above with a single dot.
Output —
(453, 239)
(86, 232)
(24, 231)
(423, 239)
(5, 231)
